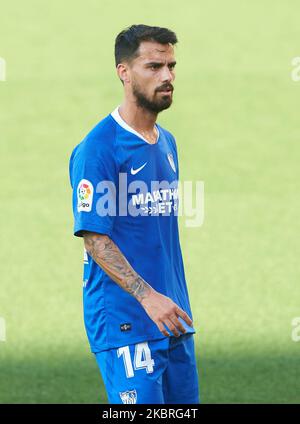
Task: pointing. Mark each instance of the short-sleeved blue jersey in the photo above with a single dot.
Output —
(127, 188)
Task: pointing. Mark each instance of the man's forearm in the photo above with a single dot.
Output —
(109, 257)
(160, 308)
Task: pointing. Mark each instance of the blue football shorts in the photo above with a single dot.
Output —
(158, 371)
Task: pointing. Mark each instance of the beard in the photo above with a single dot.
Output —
(154, 105)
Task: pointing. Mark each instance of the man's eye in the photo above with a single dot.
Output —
(154, 66)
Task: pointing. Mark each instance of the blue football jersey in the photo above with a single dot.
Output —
(127, 188)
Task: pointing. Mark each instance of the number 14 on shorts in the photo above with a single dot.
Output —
(142, 359)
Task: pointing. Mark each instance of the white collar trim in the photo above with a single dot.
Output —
(117, 117)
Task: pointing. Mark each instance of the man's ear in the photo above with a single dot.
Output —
(122, 70)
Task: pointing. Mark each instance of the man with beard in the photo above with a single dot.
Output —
(124, 176)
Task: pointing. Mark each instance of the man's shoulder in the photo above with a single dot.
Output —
(168, 135)
(102, 134)
(100, 138)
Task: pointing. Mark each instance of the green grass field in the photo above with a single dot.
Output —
(236, 120)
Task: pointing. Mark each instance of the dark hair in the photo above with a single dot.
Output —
(128, 41)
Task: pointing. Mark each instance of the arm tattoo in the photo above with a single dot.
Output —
(109, 257)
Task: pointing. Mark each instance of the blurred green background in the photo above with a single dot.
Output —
(236, 120)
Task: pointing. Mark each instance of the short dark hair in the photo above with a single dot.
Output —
(129, 40)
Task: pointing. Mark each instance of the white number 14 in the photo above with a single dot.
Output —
(141, 349)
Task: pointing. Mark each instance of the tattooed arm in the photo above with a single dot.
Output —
(161, 309)
(108, 256)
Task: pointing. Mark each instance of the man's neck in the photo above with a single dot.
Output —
(137, 117)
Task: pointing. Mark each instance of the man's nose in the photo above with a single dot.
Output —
(167, 75)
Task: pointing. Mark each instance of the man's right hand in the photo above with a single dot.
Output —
(162, 310)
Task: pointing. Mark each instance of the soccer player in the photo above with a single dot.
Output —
(124, 176)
